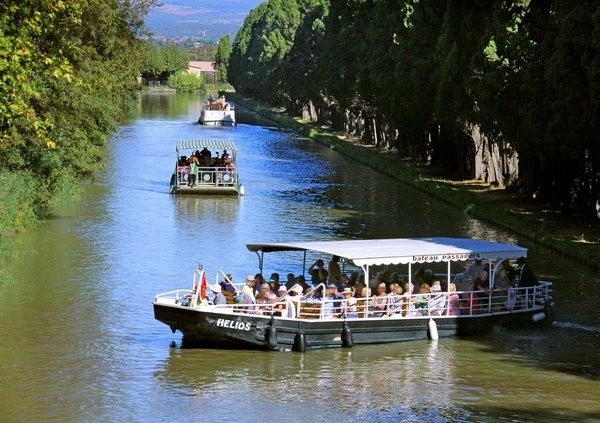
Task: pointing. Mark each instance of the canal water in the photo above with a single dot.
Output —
(78, 341)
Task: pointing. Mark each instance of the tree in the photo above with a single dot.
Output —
(175, 59)
(69, 72)
(222, 58)
(153, 64)
(481, 88)
(260, 46)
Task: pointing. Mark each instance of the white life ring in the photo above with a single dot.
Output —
(226, 178)
(206, 177)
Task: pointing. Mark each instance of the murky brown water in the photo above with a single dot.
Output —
(79, 342)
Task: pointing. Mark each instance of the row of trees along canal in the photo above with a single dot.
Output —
(506, 92)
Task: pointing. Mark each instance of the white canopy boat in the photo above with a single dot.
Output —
(214, 171)
(305, 323)
(217, 113)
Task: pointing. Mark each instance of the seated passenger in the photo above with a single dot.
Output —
(422, 297)
(282, 291)
(331, 302)
(295, 291)
(248, 292)
(274, 280)
(395, 300)
(219, 298)
(273, 308)
(348, 305)
(290, 281)
(263, 292)
(378, 303)
(227, 284)
(500, 289)
(481, 284)
(301, 281)
(437, 301)
(469, 306)
(453, 301)
(409, 305)
(358, 290)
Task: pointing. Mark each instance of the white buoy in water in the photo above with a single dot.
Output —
(242, 190)
(433, 332)
(538, 316)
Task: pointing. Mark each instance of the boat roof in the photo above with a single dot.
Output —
(198, 144)
(402, 250)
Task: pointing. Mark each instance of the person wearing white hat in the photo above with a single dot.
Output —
(218, 298)
(348, 304)
(296, 289)
(282, 291)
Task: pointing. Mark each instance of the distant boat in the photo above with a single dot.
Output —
(217, 113)
(215, 175)
(298, 320)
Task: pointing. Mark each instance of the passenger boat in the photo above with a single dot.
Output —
(217, 113)
(306, 324)
(214, 170)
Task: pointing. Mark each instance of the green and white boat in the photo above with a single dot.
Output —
(206, 166)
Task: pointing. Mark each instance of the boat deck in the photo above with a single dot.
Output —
(217, 114)
(215, 175)
(210, 179)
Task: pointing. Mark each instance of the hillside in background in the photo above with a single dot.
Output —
(206, 20)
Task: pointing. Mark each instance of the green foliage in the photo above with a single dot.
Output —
(260, 46)
(69, 72)
(185, 82)
(175, 58)
(153, 64)
(17, 205)
(222, 58)
(162, 62)
(422, 75)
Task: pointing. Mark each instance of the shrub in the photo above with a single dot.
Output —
(183, 81)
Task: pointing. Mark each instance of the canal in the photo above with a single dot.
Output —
(78, 341)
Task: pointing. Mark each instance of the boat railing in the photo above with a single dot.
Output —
(208, 176)
(433, 304)
(283, 307)
(179, 296)
(218, 106)
(470, 303)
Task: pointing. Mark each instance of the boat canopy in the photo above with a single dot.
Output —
(402, 250)
(211, 144)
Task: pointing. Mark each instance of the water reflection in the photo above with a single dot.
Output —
(160, 105)
(364, 384)
(443, 381)
(221, 208)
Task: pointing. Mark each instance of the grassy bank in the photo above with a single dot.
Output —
(573, 237)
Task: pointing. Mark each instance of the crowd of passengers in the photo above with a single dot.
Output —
(219, 104)
(387, 293)
(188, 167)
(205, 158)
